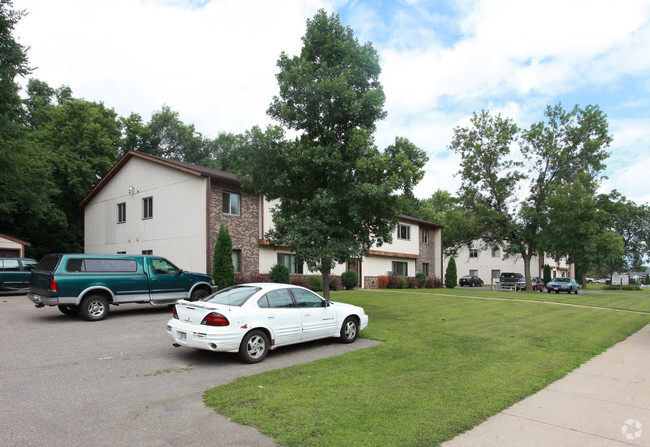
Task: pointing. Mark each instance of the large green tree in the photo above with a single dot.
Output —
(338, 194)
(510, 199)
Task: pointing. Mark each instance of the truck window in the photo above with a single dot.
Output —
(48, 263)
(163, 267)
(102, 265)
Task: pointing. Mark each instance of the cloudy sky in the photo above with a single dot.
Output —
(214, 61)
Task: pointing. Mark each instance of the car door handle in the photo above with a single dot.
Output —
(270, 317)
(308, 315)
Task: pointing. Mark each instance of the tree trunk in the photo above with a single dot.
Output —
(527, 257)
(326, 284)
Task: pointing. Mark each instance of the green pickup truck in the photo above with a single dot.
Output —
(88, 284)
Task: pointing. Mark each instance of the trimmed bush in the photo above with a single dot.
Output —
(350, 279)
(315, 283)
(300, 280)
(422, 279)
(382, 282)
(403, 283)
(335, 283)
(280, 273)
(413, 282)
(433, 282)
(393, 282)
(223, 270)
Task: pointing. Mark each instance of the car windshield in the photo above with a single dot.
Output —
(232, 296)
(562, 280)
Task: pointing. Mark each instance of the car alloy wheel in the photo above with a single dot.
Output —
(254, 347)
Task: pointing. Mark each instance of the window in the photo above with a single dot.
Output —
(147, 252)
(121, 212)
(496, 274)
(400, 268)
(305, 298)
(163, 267)
(121, 252)
(403, 232)
(10, 265)
(290, 262)
(230, 203)
(236, 260)
(425, 268)
(496, 253)
(473, 253)
(101, 265)
(425, 236)
(147, 208)
(473, 272)
(280, 298)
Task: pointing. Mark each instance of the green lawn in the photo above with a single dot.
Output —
(447, 363)
(633, 301)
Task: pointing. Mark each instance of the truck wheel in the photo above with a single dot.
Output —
(94, 307)
(69, 310)
(198, 294)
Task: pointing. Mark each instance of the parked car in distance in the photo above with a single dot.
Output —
(603, 281)
(537, 284)
(470, 280)
(14, 273)
(89, 284)
(558, 285)
(510, 278)
(252, 319)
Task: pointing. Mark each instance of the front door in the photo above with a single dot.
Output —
(165, 281)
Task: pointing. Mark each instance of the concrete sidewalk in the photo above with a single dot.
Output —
(605, 402)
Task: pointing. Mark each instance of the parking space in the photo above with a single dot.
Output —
(67, 381)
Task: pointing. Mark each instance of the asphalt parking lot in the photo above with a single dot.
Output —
(117, 382)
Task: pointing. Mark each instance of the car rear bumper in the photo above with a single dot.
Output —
(203, 337)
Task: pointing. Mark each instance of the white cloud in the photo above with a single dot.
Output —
(214, 63)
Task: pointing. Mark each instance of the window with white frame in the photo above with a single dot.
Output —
(404, 232)
(496, 253)
(230, 203)
(147, 208)
(473, 253)
(496, 274)
(400, 268)
(121, 212)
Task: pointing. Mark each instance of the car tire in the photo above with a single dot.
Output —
(198, 294)
(576, 292)
(69, 310)
(349, 330)
(557, 291)
(94, 307)
(471, 284)
(254, 346)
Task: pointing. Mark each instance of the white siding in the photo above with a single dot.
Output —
(177, 230)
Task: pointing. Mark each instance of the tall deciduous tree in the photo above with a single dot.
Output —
(338, 193)
(510, 199)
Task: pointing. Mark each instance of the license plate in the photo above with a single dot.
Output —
(182, 335)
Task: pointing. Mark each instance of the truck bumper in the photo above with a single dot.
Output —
(41, 300)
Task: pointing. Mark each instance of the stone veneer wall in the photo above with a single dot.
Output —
(370, 282)
(427, 252)
(244, 229)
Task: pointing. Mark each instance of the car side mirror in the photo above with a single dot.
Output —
(180, 272)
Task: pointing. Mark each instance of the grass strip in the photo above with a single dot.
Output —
(447, 364)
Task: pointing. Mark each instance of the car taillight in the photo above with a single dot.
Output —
(54, 287)
(215, 319)
(175, 314)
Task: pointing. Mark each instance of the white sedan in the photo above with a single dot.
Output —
(252, 318)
